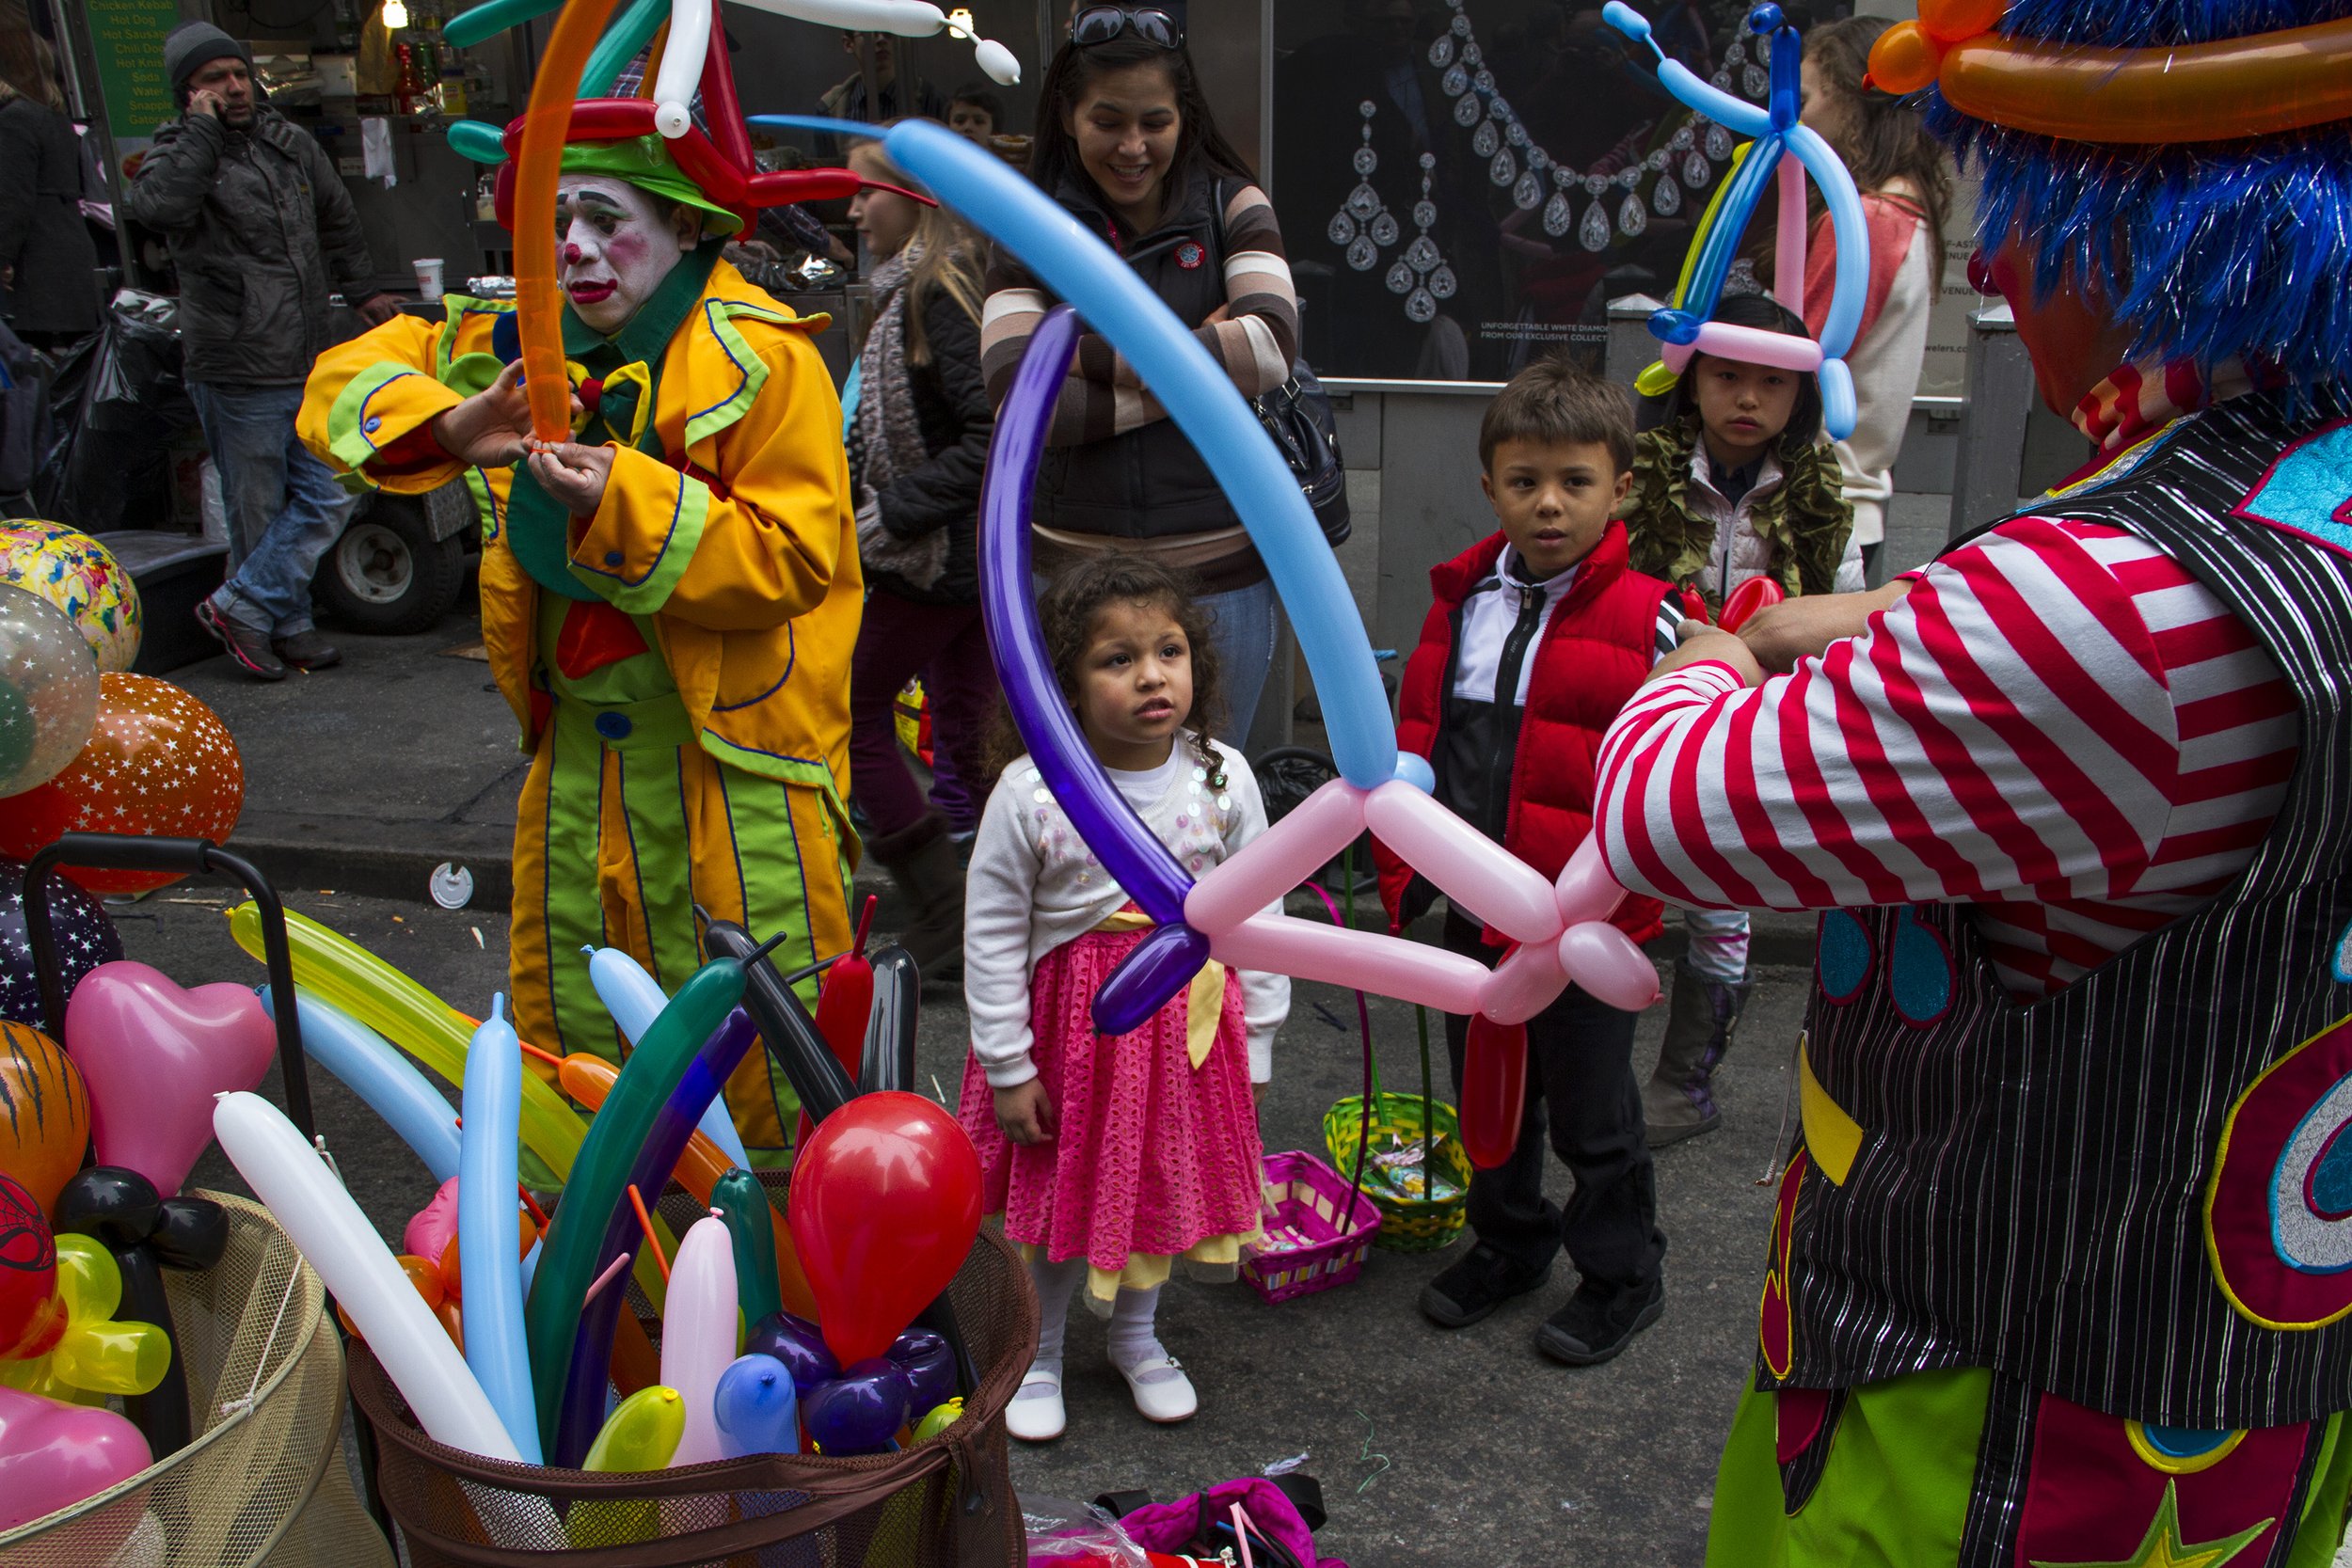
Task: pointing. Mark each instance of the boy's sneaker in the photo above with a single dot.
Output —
(1598, 1323)
(306, 650)
(1473, 1288)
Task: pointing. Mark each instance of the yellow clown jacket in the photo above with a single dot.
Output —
(740, 552)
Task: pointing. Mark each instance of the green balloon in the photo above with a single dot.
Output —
(629, 34)
(600, 1176)
(470, 28)
(743, 1202)
(478, 140)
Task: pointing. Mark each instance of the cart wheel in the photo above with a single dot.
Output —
(1286, 776)
(388, 575)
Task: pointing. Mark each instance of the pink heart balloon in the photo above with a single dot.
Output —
(431, 1227)
(154, 1055)
(53, 1455)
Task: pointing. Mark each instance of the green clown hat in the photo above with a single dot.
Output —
(643, 161)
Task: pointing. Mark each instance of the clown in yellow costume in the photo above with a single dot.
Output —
(669, 600)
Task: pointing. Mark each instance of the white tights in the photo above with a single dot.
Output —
(1131, 1340)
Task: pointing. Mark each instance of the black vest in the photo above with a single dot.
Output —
(2032, 1188)
(1148, 483)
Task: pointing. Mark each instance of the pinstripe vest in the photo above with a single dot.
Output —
(2101, 1192)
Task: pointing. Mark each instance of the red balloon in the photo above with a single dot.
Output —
(159, 763)
(30, 1319)
(886, 1203)
(1494, 1090)
(1745, 600)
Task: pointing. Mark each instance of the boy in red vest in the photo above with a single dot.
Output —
(1537, 637)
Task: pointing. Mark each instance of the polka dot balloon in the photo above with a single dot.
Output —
(48, 690)
(159, 763)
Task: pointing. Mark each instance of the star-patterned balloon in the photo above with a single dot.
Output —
(80, 577)
(78, 927)
(48, 690)
(159, 763)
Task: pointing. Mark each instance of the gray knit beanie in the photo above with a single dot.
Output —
(194, 44)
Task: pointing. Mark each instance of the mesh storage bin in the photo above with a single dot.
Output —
(267, 1480)
(945, 1502)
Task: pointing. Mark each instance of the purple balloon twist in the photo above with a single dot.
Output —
(1168, 958)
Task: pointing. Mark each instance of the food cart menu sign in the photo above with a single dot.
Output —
(127, 37)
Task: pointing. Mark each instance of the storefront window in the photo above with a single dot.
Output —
(1464, 187)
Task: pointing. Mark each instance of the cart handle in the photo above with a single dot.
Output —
(189, 857)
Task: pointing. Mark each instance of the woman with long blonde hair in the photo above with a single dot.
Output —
(917, 441)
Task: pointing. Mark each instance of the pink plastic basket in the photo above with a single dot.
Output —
(1309, 1243)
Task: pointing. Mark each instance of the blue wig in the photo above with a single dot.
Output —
(2211, 250)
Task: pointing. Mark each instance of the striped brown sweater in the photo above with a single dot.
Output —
(1255, 342)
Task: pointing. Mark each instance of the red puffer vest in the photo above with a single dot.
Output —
(1596, 651)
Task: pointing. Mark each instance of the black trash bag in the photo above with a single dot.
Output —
(111, 468)
(24, 413)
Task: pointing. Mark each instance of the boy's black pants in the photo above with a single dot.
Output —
(1579, 1080)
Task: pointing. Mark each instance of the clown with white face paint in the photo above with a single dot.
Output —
(669, 599)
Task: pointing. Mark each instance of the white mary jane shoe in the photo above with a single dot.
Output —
(1036, 1413)
(1165, 1399)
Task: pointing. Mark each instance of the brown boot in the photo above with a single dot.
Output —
(1679, 1100)
(922, 861)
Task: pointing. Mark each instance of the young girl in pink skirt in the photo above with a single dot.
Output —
(1112, 1158)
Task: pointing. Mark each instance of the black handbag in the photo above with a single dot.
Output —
(1297, 415)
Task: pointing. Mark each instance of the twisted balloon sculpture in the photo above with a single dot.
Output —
(1683, 326)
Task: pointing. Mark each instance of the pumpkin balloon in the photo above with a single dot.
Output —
(44, 1113)
(158, 764)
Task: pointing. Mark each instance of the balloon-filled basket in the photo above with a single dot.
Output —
(266, 1478)
(937, 1501)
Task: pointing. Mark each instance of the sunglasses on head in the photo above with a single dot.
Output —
(1102, 24)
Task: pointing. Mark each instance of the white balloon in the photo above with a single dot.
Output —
(682, 60)
(698, 1334)
(913, 19)
(997, 62)
(328, 1230)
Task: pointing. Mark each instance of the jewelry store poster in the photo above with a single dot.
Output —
(1463, 184)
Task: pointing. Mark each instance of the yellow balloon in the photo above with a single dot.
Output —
(338, 971)
(940, 1420)
(642, 1433)
(96, 1355)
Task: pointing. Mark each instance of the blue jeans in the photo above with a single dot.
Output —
(285, 509)
(1248, 627)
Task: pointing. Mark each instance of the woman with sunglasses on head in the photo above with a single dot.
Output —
(1125, 141)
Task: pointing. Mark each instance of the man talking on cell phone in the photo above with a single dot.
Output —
(262, 232)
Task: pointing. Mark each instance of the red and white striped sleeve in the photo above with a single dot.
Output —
(2058, 713)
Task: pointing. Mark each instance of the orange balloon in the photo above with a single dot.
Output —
(1904, 59)
(635, 1366)
(588, 1079)
(454, 1320)
(1949, 21)
(538, 164)
(426, 1279)
(2288, 80)
(44, 1113)
(452, 1270)
(159, 763)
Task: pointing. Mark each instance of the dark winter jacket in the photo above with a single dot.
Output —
(951, 404)
(1596, 651)
(1146, 482)
(262, 232)
(43, 235)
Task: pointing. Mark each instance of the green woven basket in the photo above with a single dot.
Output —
(1407, 1224)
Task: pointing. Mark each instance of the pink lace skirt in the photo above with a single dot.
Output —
(1149, 1156)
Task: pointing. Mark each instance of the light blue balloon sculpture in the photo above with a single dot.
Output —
(635, 999)
(382, 1077)
(1685, 328)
